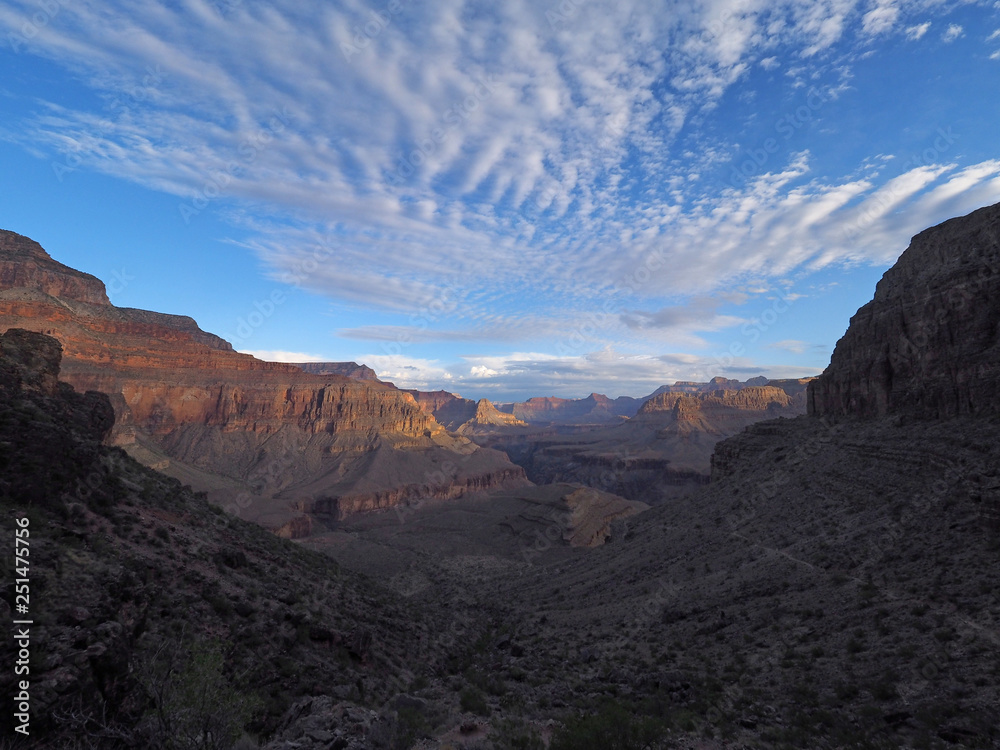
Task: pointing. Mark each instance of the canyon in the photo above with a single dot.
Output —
(828, 581)
(661, 452)
(267, 441)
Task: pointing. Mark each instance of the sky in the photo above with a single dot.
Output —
(504, 199)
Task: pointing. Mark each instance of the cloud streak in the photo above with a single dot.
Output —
(446, 163)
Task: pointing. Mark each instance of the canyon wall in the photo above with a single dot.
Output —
(235, 426)
(928, 344)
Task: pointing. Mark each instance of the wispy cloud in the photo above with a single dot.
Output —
(445, 165)
(790, 345)
(882, 18)
(524, 374)
(283, 356)
(953, 32)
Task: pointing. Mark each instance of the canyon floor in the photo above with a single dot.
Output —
(847, 601)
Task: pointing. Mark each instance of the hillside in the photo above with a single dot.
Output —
(141, 592)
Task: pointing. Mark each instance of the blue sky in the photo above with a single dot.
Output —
(500, 199)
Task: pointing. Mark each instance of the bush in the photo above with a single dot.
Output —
(474, 701)
(512, 734)
(613, 727)
(195, 707)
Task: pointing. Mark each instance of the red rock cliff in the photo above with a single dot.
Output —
(187, 403)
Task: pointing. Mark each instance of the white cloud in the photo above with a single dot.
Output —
(467, 156)
(880, 19)
(790, 345)
(283, 356)
(953, 32)
(521, 375)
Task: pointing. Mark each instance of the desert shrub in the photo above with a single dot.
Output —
(195, 706)
(473, 701)
(613, 727)
(513, 734)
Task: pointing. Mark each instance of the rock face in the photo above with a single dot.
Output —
(65, 442)
(711, 407)
(928, 344)
(347, 369)
(463, 415)
(488, 417)
(594, 409)
(258, 434)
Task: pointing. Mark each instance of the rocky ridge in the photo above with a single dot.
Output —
(257, 436)
(463, 415)
(347, 369)
(157, 617)
(927, 345)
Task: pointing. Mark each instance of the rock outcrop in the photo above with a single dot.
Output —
(721, 411)
(594, 409)
(663, 451)
(928, 344)
(488, 417)
(24, 264)
(49, 433)
(463, 415)
(244, 430)
(347, 369)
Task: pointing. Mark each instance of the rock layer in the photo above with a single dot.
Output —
(662, 452)
(928, 344)
(347, 369)
(240, 428)
(463, 415)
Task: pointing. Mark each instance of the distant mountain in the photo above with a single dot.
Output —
(347, 369)
(599, 409)
(156, 616)
(463, 415)
(663, 451)
(278, 445)
(594, 409)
